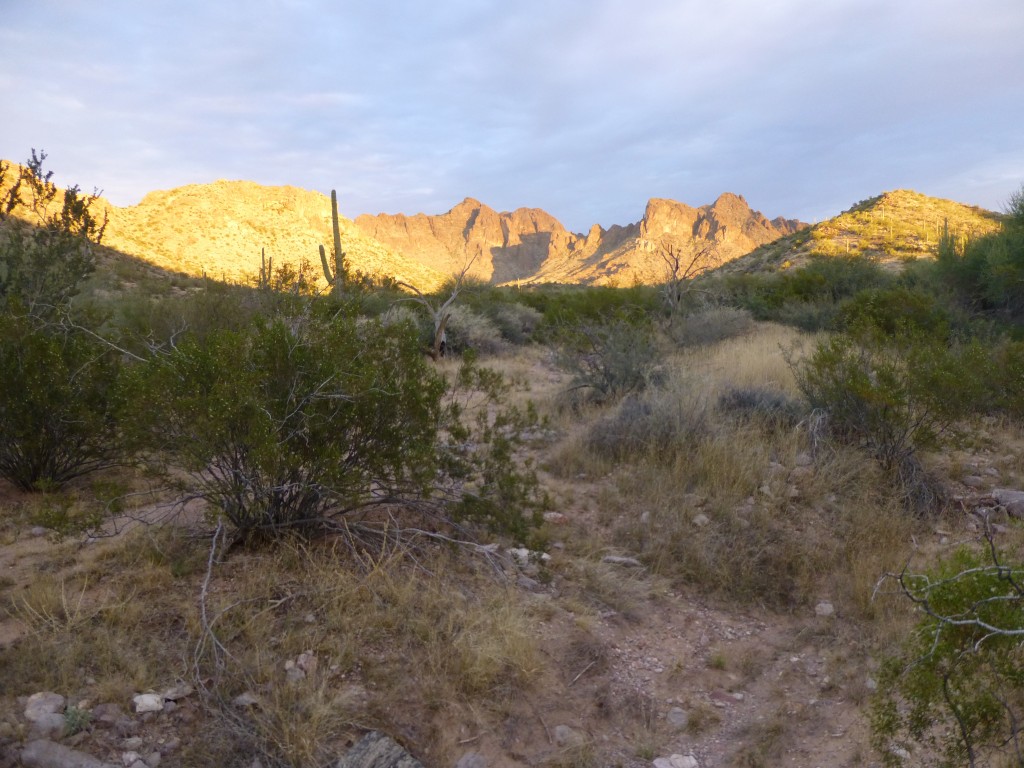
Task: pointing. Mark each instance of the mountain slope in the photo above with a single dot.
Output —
(529, 245)
(220, 228)
(892, 227)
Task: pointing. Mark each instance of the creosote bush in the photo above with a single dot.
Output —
(609, 358)
(57, 405)
(301, 421)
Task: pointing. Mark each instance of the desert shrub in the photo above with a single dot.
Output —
(767, 406)
(56, 404)
(709, 325)
(515, 321)
(562, 306)
(610, 358)
(659, 424)
(988, 272)
(298, 422)
(1006, 378)
(893, 399)
(470, 330)
(896, 398)
(43, 260)
(957, 684)
(894, 311)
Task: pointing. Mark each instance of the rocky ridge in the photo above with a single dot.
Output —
(219, 230)
(528, 245)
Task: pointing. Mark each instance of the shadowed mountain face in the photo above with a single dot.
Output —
(530, 245)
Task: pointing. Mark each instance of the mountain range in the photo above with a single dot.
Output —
(222, 228)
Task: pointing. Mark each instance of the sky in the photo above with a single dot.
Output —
(585, 108)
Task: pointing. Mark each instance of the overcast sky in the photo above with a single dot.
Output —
(585, 108)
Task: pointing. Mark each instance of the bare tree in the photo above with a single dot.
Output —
(683, 265)
(440, 313)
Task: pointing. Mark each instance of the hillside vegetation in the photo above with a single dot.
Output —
(733, 519)
(892, 228)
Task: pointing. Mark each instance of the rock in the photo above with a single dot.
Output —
(1012, 500)
(627, 562)
(677, 717)
(973, 481)
(472, 760)
(170, 745)
(567, 736)
(37, 530)
(824, 608)
(148, 702)
(701, 520)
(129, 759)
(46, 754)
(307, 662)
(44, 703)
(293, 672)
(179, 691)
(803, 459)
(106, 713)
(48, 726)
(246, 699)
(525, 582)
(134, 744)
(377, 750)
(555, 518)
(677, 761)
(153, 759)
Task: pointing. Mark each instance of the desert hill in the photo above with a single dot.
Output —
(220, 229)
(892, 228)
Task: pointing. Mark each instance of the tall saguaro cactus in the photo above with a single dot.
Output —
(335, 279)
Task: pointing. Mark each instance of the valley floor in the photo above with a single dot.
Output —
(724, 605)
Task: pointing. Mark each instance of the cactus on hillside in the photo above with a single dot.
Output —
(335, 279)
(266, 265)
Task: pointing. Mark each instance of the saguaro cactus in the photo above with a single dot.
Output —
(335, 279)
(266, 265)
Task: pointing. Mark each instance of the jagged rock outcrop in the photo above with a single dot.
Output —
(530, 245)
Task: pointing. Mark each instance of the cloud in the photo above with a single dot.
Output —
(584, 107)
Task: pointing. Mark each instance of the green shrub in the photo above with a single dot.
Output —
(57, 406)
(893, 399)
(894, 311)
(283, 424)
(469, 330)
(957, 685)
(609, 358)
(708, 326)
(302, 421)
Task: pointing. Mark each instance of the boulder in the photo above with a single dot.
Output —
(378, 750)
(47, 754)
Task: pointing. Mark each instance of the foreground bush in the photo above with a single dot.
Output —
(57, 412)
(300, 422)
(957, 685)
(893, 399)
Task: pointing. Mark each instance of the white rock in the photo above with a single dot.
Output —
(47, 754)
(677, 761)
(701, 520)
(149, 702)
(43, 703)
(246, 699)
(677, 717)
(48, 726)
(129, 759)
(824, 608)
